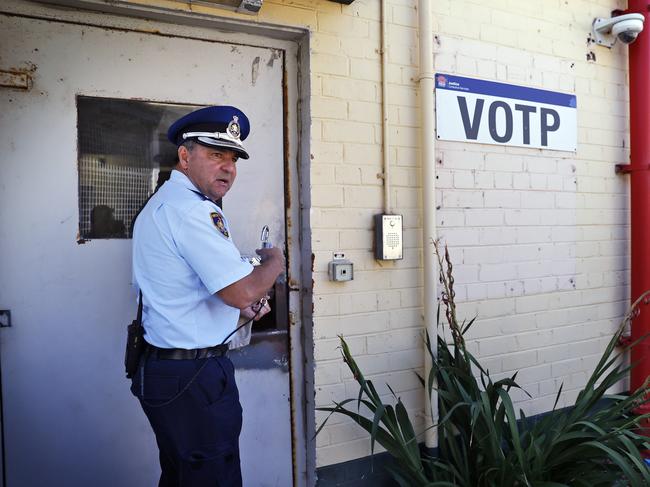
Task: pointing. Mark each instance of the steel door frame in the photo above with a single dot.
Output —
(295, 42)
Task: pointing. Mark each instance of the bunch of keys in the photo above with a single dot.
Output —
(266, 244)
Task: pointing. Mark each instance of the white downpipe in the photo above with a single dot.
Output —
(427, 144)
(384, 110)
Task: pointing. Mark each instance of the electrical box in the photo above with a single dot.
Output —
(388, 237)
(340, 269)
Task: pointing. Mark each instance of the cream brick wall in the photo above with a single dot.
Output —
(539, 238)
(379, 312)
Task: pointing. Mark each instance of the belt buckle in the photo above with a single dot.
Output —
(217, 351)
(207, 352)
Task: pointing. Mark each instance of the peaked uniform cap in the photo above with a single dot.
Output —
(217, 126)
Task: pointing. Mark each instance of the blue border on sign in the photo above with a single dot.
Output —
(503, 90)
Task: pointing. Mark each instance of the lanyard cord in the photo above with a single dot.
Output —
(196, 374)
(261, 304)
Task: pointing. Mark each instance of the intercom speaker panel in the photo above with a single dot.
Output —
(388, 237)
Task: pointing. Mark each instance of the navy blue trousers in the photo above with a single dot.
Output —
(198, 432)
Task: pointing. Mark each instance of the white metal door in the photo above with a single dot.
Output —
(69, 419)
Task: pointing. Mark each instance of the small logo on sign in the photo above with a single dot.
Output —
(441, 80)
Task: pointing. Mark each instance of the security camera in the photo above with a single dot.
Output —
(626, 28)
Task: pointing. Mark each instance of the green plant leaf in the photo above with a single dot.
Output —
(512, 424)
(408, 433)
(481, 441)
(379, 413)
(619, 460)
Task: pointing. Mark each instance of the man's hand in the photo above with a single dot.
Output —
(272, 257)
(255, 285)
(256, 310)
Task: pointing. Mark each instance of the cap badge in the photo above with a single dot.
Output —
(233, 128)
(217, 219)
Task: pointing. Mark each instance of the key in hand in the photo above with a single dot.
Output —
(264, 237)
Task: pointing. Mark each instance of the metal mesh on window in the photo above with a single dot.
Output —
(111, 196)
(123, 151)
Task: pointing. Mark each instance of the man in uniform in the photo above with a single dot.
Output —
(195, 286)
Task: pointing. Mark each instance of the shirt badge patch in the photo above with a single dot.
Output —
(217, 219)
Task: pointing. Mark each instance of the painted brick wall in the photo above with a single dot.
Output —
(539, 238)
(379, 312)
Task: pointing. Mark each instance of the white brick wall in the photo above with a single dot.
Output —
(379, 312)
(546, 230)
(539, 238)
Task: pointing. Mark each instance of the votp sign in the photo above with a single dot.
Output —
(486, 112)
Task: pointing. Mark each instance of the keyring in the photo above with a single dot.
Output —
(260, 304)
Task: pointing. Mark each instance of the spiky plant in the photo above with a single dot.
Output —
(482, 442)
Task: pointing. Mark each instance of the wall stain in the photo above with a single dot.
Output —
(255, 68)
(277, 54)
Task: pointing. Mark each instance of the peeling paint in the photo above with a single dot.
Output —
(255, 68)
(282, 362)
(276, 54)
(15, 79)
(19, 78)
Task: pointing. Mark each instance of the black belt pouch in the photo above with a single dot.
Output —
(134, 343)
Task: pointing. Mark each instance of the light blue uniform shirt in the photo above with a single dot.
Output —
(183, 254)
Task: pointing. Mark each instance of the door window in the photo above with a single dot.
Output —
(124, 155)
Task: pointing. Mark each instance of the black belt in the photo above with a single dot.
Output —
(185, 354)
